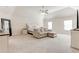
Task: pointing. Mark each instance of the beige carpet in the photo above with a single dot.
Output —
(27, 43)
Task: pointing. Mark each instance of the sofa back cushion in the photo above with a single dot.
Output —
(41, 29)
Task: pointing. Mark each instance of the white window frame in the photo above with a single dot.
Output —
(67, 25)
(50, 25)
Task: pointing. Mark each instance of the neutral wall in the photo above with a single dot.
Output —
(58, 24)
(20, 16)
(26, 15)
(6, 12)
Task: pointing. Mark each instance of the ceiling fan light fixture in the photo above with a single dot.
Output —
(44, 10)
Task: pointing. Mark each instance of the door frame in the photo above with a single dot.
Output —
(2, 24)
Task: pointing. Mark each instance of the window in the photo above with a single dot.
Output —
(6, 26)
(67, 24)
(49, 25)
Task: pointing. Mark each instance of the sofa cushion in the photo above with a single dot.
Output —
(42, 29)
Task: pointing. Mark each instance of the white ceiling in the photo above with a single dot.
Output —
(62, 12)
(7, 9)
(54, 11)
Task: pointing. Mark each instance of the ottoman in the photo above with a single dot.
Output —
(51, 34)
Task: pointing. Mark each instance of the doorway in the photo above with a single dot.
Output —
(6, 26)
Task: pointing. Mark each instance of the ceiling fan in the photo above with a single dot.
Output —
(44, 10)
